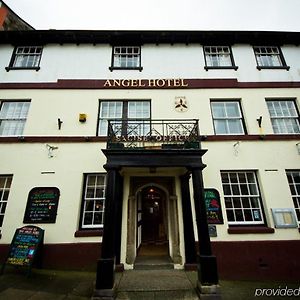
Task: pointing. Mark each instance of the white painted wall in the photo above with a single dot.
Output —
(26, 161)
(87, 61)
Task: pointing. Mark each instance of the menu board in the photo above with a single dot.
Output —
(213, 206)
(42, 205)
(25, 245)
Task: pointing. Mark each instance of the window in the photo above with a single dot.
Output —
(268, 57)
(294, 183)
(13, 116)
(122, 110)
(126, 57)
(26, 57)
(242, 198)
(218, 57)
(5, 183)
(227, 117)
(93, 201)
(284, 116)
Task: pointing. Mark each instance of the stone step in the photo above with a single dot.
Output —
(164, 266)
(158, 295)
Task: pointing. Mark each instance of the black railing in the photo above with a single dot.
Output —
(141, 133)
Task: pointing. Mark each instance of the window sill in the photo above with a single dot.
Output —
(221, 68)
(121, 68)
(21, 68)
(88, 233)
(245, 230)
(273, 68)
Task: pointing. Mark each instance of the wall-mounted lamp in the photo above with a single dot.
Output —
(50, 150)
(298, 147)
(82, 118)
(236, 148)
(59, 122)
(259, 120)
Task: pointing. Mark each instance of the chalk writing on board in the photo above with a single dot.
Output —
(24, 246)
(42, 205)
(213, 206)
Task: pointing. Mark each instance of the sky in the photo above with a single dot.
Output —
(264, 15)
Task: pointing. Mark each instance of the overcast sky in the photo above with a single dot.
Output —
(277, 15)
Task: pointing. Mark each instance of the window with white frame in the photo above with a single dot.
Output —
(126, 112)
(227, 117)
(13, 115)
(284, 116)
(26, 57)
(294, 184)
(5, 183)
(126, 57)
(218, 57)
(242, 198)
(269, 57)
(93, 201)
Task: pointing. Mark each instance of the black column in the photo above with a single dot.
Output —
(106, 264)
(189, 236)
(207, 268)
(119, 188)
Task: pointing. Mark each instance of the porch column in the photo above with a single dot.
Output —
(207, 268)
(105, 277)
(188, 228)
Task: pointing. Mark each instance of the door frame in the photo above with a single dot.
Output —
(167, 185)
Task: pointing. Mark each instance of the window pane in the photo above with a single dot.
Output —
(27, 57)
(284, 117)
(94, 201)
(220, 126)
(126, 57)
(227, 118)
(268, 56)
(244, 200)
(235, 126)
(5, 183)
(13, 117)
(232, 110)
(218, 110)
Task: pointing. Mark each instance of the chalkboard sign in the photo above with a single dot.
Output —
(213, 206)
(42, 205)
(25, 246)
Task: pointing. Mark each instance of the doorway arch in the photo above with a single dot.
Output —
(166, 230)
(152, 221)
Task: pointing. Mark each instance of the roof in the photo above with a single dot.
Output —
(9, 20)
(42, 37)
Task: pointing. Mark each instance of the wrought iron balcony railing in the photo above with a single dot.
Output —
(143, 134)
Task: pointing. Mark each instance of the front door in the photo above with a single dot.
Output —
(152, 218)
(152, 222)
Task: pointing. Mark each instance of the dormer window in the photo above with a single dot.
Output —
(269, 57)
(126, 58)
(26, 57)
(218, 57)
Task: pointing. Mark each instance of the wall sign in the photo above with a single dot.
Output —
(25, 246)
(42, 205)
(213, 206)
(145, 83)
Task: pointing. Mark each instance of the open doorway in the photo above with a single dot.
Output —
(152, 222)
(152, 226)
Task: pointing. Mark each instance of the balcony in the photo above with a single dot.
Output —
(153, 134)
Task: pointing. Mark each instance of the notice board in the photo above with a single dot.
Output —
(42, 204)
(213, 206)
(25, 246)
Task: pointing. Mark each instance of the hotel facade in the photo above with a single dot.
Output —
(163, 137)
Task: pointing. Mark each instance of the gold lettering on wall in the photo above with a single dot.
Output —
(147, 83)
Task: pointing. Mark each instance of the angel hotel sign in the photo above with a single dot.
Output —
(145, 83)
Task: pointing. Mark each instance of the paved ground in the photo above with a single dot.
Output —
(135, 285)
